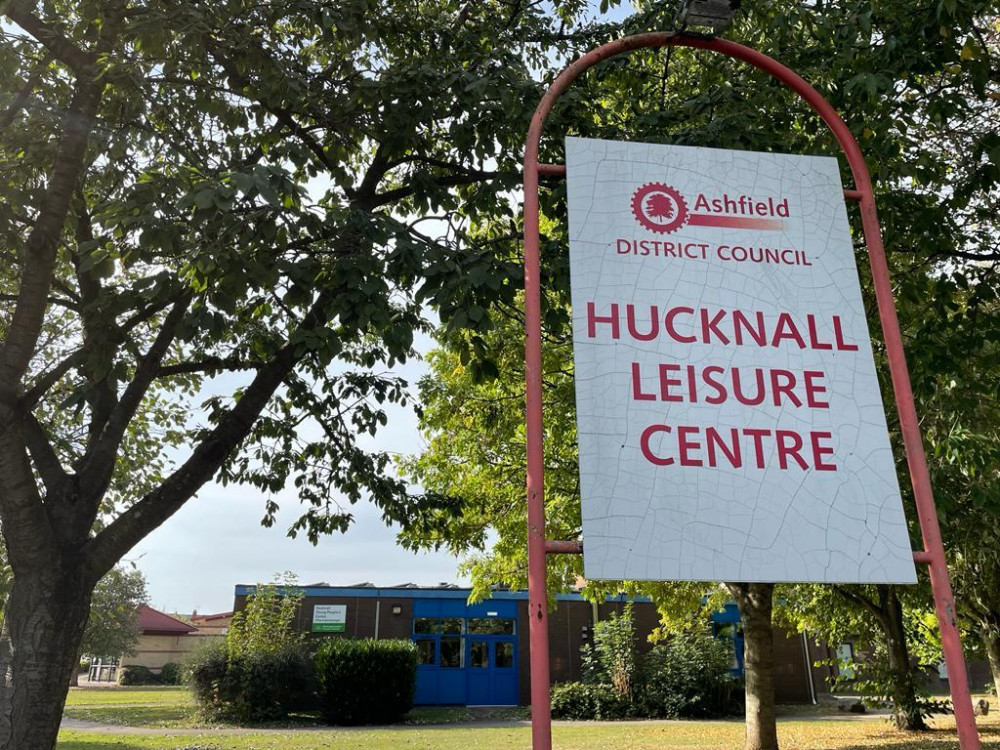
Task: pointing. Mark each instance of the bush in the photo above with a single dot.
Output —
(613, 658)
(688, 677)
(170, 674)
(133, 674)
(586, 700)
(251, 687)
(267, 623)
(365, 681)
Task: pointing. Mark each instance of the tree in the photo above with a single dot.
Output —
(113, 625)
(888, 624)
(962, 432)
(977, 573)
(918, 88)
(206, 189)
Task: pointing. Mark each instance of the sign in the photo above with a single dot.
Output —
(730, 422)
(329, 618)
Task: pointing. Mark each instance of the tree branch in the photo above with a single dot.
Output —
(99, 462)
(283, 115)
(50, 378)
(102, 394)
(118, 537)
(469, 178)
(44, 382)
(859, 600)
(47, 463)
(57, 45)
(209, 364)
(21, 99)
(42, 243)
(68, 304)
(374, 174)
(33, 545)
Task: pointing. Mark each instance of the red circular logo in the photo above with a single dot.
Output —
(659, 207)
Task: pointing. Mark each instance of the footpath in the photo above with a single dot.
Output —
(93, 727)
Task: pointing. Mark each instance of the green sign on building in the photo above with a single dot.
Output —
(329, 618)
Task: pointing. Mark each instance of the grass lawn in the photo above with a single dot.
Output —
(794, 735)
(132, 706)
(172, 710)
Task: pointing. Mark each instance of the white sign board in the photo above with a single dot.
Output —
(730, 422)
(329, 618)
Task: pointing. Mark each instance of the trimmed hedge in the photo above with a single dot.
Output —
(588, 700)
(170, 674)
(133, 674)
(252, 687)
(365, 681)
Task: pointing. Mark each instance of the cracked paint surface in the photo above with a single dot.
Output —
(733, 520)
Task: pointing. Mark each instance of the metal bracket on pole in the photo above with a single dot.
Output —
(539, 547)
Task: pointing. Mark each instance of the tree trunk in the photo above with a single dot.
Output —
(905, 705)
(43, 626)
(991, 642)
(754, 601)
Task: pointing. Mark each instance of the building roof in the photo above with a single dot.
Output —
(415, 591)
(206, 618)
(152, 621)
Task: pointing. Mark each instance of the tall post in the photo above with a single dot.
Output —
(538, 628)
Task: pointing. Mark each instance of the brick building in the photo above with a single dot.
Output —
(477, 654)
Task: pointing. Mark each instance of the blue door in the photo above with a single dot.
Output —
(466, 654)
(492, 670)
(440, 661)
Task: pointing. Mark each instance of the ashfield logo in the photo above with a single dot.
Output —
(663, 209)
(659, 207)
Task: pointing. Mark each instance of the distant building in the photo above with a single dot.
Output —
(477, 654)
(167, 639)
(212, 624)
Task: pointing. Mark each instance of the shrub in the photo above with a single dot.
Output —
(586, 700)
(613, 659)
(133, 674)
(688, 677)
(253, 686)
(365, 681)
(170, 674)
(267, 623)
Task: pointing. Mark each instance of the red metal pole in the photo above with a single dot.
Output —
(933, 553)
(538, 628)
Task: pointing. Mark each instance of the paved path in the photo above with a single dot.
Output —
(93, 727)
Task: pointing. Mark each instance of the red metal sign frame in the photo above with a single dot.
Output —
(538, 546)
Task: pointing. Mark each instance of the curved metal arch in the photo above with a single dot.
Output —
(538, 547)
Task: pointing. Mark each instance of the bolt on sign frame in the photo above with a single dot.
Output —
(538, 546)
